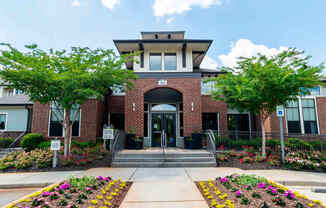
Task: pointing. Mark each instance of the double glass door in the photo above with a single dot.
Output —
(163, 123)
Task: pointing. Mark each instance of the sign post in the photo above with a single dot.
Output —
(280, 114)
(55, 146)
(108, 134)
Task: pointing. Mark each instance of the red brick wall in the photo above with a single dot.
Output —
(321, 111)
(191, 92)
(211, 106)
(116, 104)
(92, 116)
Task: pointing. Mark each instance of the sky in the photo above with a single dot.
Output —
(237, 27)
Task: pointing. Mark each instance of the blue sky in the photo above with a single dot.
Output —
(238, 27)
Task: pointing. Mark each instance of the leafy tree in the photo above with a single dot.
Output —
(64, 78)
(259, 84)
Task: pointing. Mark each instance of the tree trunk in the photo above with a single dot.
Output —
(262, 121)
(67, 137)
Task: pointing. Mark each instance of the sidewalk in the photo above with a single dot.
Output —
(166, 187)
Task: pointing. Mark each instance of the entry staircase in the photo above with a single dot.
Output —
(166, 157)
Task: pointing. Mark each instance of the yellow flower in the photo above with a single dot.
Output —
(318, 202)
(107, 203)
(107, 189)
(108, 197)
(103, 207)
(94, 202)
(99, 197)
(210, 197)
(91, 207)
(220, 206)
(213, 202)
(114, 194)
(103, 191)
(310, 204)
(217, 192)
(27, 199)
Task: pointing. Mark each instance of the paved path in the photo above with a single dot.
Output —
(167, 187)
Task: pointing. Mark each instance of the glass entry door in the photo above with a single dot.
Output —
(163, 122)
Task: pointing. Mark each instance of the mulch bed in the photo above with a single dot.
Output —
(235, 163)
(265, 198)
(109, 194)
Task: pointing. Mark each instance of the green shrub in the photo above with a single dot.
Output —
(318, 145)
(5, 142)
(31, 141)
(298, 144)
(44, 145)
(273, 142)
(83, 145)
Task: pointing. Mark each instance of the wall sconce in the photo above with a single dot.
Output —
(192, 106)
(133, 107)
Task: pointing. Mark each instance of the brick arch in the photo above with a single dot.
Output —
(150, 88)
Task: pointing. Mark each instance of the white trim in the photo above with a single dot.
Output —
(316, 113)
(301, 116)
(6, 123)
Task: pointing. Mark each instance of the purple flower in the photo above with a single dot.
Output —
(223, 180)
(239, 193)
(246, 186)
(100, 178)
(89, 188)
(106, 179)
(45, 194)
(261, 185)
(289, 194)
(274, 191)
(64, 186)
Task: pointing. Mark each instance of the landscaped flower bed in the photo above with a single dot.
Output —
(251, 191)
(85, 192)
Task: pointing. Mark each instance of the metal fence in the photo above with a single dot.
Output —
(239, 140)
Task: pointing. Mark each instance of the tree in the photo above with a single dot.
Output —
(259, 84)
(64, 78)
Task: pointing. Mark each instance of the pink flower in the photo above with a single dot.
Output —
(261, 185)
(100, 178)
(238, 193)
(223, 180)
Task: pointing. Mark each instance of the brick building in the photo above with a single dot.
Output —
(169, 97)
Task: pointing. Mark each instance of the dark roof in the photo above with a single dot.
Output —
(163, 41)
(162, 32)
(15, 100)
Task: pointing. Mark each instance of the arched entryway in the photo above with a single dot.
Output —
(163, 116)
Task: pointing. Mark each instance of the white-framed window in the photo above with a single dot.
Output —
(155, 61)
(301, 116)
(19, 92)
(56, 119)
(170, 61)
(3, 121)
(207, 88)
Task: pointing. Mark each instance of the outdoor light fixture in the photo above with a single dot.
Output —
(192, 106)
(133, 106)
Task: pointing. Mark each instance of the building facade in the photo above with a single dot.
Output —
(169, 97)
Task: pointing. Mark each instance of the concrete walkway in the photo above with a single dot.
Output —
(166, 187)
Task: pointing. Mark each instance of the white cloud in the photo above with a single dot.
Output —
(208, 63)
(75, 3)
(169, 7)
(246, 48)
(110, 4)
(170, 20)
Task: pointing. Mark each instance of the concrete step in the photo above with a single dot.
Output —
(160, 155)
(162, 164)
(162, 159)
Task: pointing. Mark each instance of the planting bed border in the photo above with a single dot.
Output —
(232, 195)
(16, 202)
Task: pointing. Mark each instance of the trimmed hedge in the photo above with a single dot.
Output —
(5, 142)
(300, 144)
(31, 141)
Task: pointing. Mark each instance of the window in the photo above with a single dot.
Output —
(293, 117)
(19, 92)
(155, 62)
(170, 61)
(304, 121)
(56, 119)
(3, 122)
(309, 116)
(164, 107)
(238, 126)
(10, 92)
(315, 90)
(210, 121)
(207, 88)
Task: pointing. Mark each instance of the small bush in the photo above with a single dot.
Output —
(298, 144)
(31, 141)
(44, 145)
(83, 145)
(273, 142)
(5, 142)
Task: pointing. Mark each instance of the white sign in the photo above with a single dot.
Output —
(108, 133)
(280, 111)
(55, 145)
(162, 82)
